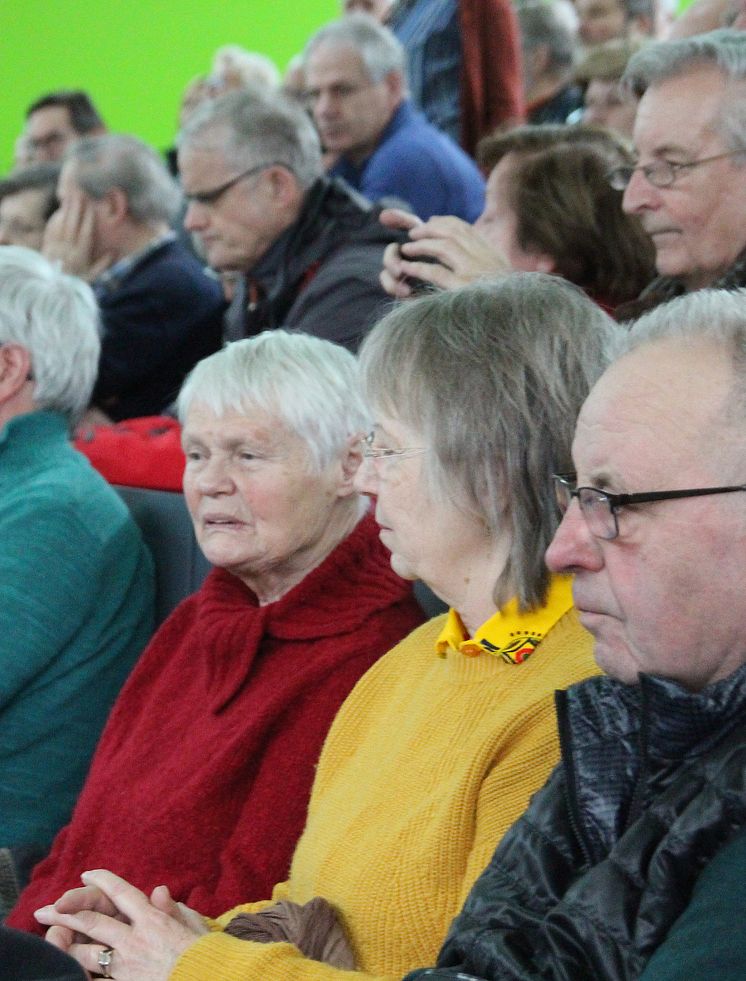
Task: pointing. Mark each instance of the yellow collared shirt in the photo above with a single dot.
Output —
(509, 634)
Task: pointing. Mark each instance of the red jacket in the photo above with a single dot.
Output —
(203, 774)
(491, 70)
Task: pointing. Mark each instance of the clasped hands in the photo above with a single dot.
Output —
(460, 252)
(147, 934)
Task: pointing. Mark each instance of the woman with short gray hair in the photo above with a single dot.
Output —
(203, 774)
(439, 747)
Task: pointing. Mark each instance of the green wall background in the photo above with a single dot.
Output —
(135, 56)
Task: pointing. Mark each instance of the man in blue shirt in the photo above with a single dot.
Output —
(355, 75)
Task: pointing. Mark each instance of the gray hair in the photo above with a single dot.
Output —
(35, 177)
(541, 24)
(310, 385)
(102, 163)
(253, 127)
(724, 49)
(494, 375)
(379, 49)
(55, 317)
(710, 314)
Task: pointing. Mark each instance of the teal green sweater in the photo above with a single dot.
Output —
(708, 941)
(76, 608)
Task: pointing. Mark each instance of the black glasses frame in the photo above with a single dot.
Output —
(565, 485)
(212, 196)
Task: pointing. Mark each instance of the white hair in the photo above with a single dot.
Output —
(250, 67)
(309, 385)
(55, 317)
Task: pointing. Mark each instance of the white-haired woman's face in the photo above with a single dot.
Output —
(429, 538)
(259, 509)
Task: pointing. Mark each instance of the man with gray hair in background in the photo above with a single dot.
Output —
(76, 583)
(689, 187)
(308, 250)
(355, 71)
(161, 311)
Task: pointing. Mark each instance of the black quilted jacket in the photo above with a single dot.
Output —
(585, 886)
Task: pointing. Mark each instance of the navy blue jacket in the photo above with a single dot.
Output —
(159, 320)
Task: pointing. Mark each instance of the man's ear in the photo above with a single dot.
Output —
(15, 369)
(352, 457)
(394, 82)
(115, 204)
(284, 186)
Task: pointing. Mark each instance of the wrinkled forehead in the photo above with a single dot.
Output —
(656, 415)
(682, 113)
(332, 61)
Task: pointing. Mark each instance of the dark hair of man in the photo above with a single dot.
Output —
(84, 116)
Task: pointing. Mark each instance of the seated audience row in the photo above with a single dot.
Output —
(399, 824)
(210, 793)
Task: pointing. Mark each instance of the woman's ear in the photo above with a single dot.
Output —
(15, 369)
(352, 457)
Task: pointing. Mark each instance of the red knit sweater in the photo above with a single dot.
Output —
(204, 770)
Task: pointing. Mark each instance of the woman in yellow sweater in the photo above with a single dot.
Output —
(439, 746)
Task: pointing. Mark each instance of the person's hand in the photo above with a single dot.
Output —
(392, 278)
(69, 237)
(444, 251)
(146, 936)
(460, 252)
(73, 901)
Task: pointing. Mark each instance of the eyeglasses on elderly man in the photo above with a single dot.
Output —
(601, 508)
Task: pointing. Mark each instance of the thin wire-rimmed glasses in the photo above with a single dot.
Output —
(375, 453)
(214, 194)
(659, 173)
(600, 508)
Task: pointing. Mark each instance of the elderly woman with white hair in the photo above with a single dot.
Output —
(203, 773)
(440, 745)
(76, 583)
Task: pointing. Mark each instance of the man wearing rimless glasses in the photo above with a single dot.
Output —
(689, 187)
(628, 864)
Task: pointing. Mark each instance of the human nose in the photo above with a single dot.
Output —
(639, 194)
(574, 546)
(324, 106)
(195, 217)
(214, 477)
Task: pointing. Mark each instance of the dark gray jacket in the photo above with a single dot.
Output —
(321, 275)
(585, 886)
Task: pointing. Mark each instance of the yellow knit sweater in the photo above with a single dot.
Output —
(427, 764)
